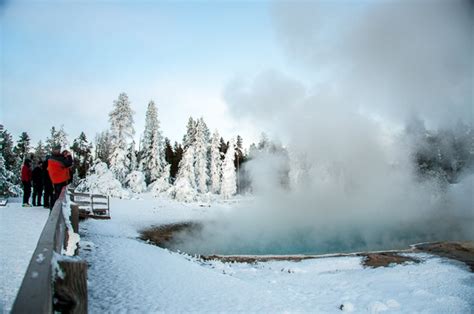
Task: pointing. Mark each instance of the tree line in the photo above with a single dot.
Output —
(200, 163)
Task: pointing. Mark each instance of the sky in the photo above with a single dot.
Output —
(64, 63)
(244, 66)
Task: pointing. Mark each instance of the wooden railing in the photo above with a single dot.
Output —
(39, 286)
(91, 205)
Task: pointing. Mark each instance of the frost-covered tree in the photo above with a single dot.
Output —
(190, 136)
(103, 146)
(7, 181)
(82, 151)
(40, 151)
(151, 148)
(121, 132)
(201, 162)
(177, 156)
(216, 163)
(132, 156)
(223, 148)
(6, 150)
(136, 181)
(56, 137)
(101, 180)
(162, 185)
(185, 184)
(62, 138)
(21, 151)
(229, 186)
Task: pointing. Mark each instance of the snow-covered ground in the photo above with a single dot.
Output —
(20, 228)
(129, 275)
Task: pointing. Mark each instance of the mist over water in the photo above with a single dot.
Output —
(370, 68)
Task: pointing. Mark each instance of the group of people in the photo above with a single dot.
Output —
(47, 178)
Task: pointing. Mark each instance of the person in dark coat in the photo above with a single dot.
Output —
(47, 186)
(26, 180)
(37, 184)
(58, 168)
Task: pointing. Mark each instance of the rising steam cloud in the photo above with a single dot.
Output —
(369, 68)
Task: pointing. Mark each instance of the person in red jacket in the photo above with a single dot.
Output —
(26, 176)
(58, 169)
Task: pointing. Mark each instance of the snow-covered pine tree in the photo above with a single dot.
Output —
(121, 131)
(177, 156)
(51, 141)
(40, 151)
(103, 146)
(151, 154)
(132, 155)
(21, 151)
(229, 186)
(216, 163)
(81, 149)
(7, 181)
(62, 138)
(201, 162)
(190, 136)
(56, 137)
(185, 184)
(6, 150)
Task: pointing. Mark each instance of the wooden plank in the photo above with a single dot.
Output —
(89, 195)
(82, 203)
(75, 218)
(71, 291)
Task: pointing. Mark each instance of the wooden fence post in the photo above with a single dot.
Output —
(70, 293)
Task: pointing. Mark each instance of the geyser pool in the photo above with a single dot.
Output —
(196, 238)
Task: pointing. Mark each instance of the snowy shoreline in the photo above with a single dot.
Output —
(128, 274)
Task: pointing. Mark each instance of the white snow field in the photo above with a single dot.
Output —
(20, 229)
(129, 275)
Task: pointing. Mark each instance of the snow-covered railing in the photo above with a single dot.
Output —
(51, 274)
(91, 205)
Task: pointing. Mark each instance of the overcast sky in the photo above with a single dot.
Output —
(65, 63)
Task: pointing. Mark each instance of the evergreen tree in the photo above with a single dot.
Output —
(82, 150)
(132, 156)
(62, 138)
(229, 187)
(264, 142)
(185, 184)
(57, 137)
(177, 157)
(103, 147)
(40, 151)
(190, 136)
(168, 151)
(121, 132)
(216, 163)
(201, 146)
(151, 154)
(6, 150)
(223, 148)
(8, 186)
(22, 148)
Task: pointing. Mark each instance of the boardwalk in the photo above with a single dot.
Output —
(20, 229)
